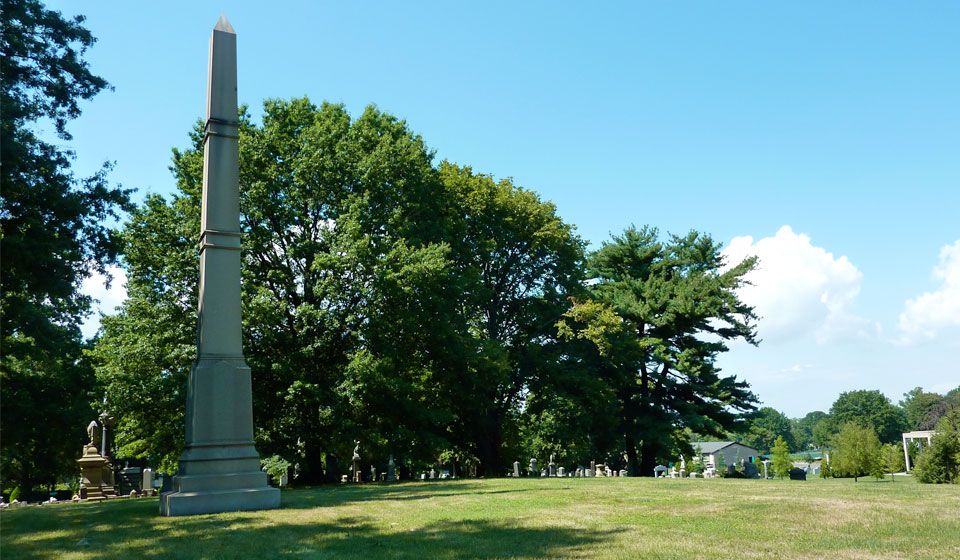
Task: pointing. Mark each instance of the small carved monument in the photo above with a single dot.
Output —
(96, 472)
(356, 462)
(391, 470)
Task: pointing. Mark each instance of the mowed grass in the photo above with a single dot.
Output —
(536, 518)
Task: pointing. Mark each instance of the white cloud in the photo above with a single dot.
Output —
(929, 313)
(106, 300)
(798, 288)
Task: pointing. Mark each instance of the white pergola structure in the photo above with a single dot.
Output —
(915, 436)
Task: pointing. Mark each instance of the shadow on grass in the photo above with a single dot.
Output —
(325, 496)
(132, 529)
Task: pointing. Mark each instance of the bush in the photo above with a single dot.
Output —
(14, 494)
(825, 470)
(275, 466)
(893, 458)
(720, 465)
(940, 463)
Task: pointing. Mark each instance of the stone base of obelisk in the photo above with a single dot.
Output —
(220, 468)
(214, 485)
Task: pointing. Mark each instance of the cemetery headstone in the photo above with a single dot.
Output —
(516, 469)
(130, 479)
(391, 470)
(147, 481)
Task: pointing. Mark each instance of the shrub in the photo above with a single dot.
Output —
(940, 463)
(14, 494)
(720, 465)
(825, 469)
(275, 466)
(893, 458)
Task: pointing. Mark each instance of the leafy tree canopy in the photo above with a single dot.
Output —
(871, 409)
(384, 299)
(803, 428)
(766, 425)
(918, 405)
(55, 232)
(856, 451)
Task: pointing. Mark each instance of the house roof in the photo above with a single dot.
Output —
(709, 447)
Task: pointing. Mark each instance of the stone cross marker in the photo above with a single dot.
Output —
(220, 468)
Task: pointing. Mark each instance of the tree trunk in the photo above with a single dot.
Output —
(648, 458)
(488, 446)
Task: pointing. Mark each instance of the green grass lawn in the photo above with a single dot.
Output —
(538, 518)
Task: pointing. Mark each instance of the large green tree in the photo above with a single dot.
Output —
(802, 430)
(55, 232)
(871, 409)
(766, 425)
(918, 405)
(659, 312)
(346, 296)
(517, 262)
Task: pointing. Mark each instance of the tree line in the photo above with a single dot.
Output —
(917, 410)
(862, 434)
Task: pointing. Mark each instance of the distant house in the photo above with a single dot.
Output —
(710, 452)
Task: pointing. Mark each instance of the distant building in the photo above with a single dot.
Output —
(710, 452)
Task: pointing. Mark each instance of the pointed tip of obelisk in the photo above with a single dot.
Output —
(223, 24)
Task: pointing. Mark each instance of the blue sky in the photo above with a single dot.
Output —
(824, 138)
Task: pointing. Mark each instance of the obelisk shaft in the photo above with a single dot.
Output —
(219, 311)
(220, 468)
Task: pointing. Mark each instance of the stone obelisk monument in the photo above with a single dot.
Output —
(220, 468)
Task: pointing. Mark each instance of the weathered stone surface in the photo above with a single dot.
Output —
(220, 468)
